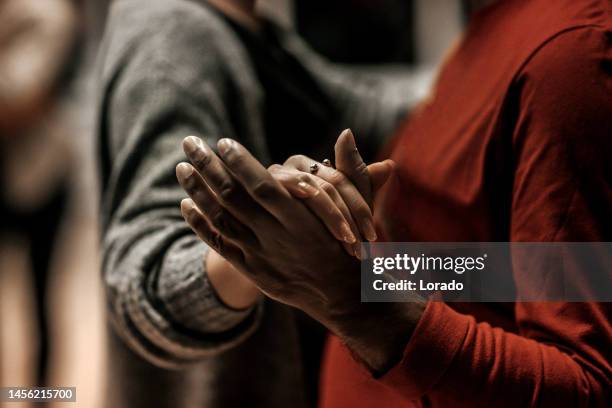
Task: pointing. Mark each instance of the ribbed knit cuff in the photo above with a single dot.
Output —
(188, 295)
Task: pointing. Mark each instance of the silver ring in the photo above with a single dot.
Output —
(326, 163)
(314, 167)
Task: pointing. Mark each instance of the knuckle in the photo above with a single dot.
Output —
(201, 199)
(205, 202)
(296, 158)
(216, 241)
(224, 223)
(362, 210)
(219, 219)
(232, 156)
(327, 187)
(194, 222)
(199, 225)
(264, 189)
(361, 168)
(201, 160)
(274, 168)
(228, 191)
(336, 177)
(335, 214)
(189, 186)
(304, 178)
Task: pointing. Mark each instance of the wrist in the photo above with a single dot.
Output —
(233, 288)
(378, 333)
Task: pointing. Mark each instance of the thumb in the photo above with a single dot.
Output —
(349, 162)
(380, 173)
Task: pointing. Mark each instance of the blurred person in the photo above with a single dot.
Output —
(38, 49)
(512, 146)
(198, 334)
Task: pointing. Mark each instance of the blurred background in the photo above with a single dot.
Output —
(52, 325)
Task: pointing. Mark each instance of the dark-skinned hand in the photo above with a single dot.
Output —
(251, 219)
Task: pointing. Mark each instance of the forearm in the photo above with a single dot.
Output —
(377, 333)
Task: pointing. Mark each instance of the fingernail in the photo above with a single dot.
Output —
(187, 205)
(184, 171)
(347, 234)
(225, 145)
(369, 230)
(191, 144)
(351, 137)
(357, 249)
(307, 189)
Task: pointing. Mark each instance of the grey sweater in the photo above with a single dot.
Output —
(172, 68)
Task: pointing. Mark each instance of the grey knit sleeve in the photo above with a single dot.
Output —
(160, 300)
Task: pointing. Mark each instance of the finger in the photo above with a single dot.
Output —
(258, 182)
(337, 199)
(318, 200)
(208, 204)
(296, 185)
(228, 191)
(301, 189)
(359, 208)
(380, 172)
(198, 223)
(349, 162)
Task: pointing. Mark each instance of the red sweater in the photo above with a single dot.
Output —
(515, 144)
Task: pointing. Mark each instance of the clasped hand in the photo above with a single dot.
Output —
(284, 227)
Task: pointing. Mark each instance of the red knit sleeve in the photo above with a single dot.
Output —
(562, 353)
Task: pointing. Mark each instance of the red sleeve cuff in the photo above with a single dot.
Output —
(433, 345)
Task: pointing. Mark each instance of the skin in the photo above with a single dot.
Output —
(249, 217)
(326, 199)
(241, 11)
(321, 196)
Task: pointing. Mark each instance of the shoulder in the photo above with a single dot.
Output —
(560, 41)
(564, 101)
(570, 52)
(570, 75)
(178, 40)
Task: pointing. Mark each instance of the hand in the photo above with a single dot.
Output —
(350, 188)
(352, 185)
(325, 202)
(351, 174)
(324, 199)
(247, 216)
